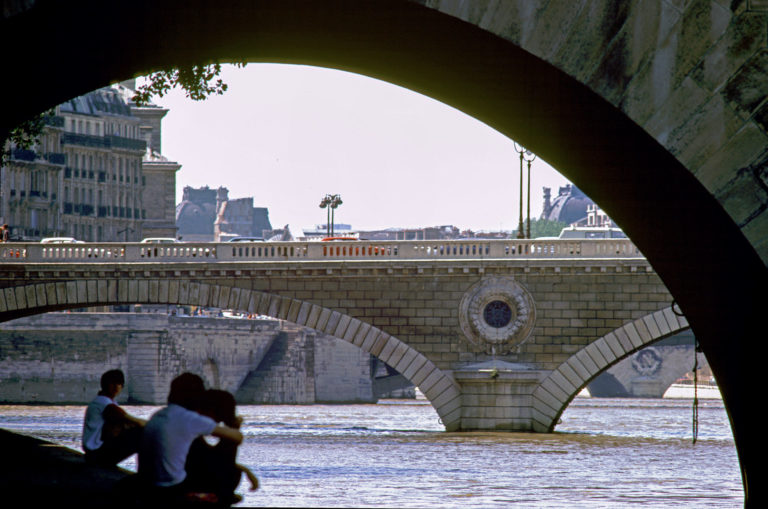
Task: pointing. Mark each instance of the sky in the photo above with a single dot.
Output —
(287, 135)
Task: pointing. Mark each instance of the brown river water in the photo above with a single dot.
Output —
(604, 453)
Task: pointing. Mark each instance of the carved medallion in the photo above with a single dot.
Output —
(647, 362)
(496, 314)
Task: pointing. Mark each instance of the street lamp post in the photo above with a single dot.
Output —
(520, 233)
(529, 158)
(324, 205)
(330, 202)
(335, 202)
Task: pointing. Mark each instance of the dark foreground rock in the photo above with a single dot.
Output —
(34, 472)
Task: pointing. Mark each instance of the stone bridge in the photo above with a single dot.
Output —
(657, 110)
(499, 335)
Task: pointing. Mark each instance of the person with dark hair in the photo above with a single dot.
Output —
(110, 434)
(214, 468)
(168, 436)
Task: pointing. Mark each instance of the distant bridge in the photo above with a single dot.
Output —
(498, 334)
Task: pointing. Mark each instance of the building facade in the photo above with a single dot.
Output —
(31, 185)
(209, 215)
(94, 174)
(159, 172)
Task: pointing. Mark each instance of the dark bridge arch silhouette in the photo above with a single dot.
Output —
(693, 201)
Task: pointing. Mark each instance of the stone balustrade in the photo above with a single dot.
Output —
(316, 251)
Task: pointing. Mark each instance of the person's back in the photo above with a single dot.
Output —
(169, 434)
(166, 441)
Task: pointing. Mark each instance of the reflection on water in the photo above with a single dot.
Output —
(605, 453)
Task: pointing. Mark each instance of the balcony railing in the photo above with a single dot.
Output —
(84, 140)
(56, 158)
(110, 141)
(127, 143)
(21, 154)
(54, 121)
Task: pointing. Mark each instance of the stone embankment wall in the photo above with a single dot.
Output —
(59, 358)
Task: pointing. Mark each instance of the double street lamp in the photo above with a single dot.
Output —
(330, 202)
(529, 157)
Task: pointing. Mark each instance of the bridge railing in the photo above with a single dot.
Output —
(17, 252)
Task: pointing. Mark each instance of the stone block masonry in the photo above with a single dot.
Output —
(58, 358)
(286, 373)
(430, 319)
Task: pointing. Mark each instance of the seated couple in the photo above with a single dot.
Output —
(176, 465)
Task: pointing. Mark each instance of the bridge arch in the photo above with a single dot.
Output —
(439, 388)
(564, 78)
(558, 389)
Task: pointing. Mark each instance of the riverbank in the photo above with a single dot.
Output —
(37, 473)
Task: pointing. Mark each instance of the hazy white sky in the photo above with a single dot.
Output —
(287, 135)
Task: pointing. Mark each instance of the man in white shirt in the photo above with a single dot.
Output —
(110, 434)
(169, 433)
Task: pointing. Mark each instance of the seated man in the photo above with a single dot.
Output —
(168, 435)
(110, 435)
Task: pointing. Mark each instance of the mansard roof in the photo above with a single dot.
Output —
(104, 101)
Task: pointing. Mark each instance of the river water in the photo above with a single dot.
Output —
(605, 453)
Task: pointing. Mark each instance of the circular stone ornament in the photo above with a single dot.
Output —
(496, 314)
(648, 361)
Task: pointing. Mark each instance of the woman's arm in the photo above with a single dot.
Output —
(228, 433)
(251, 477)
